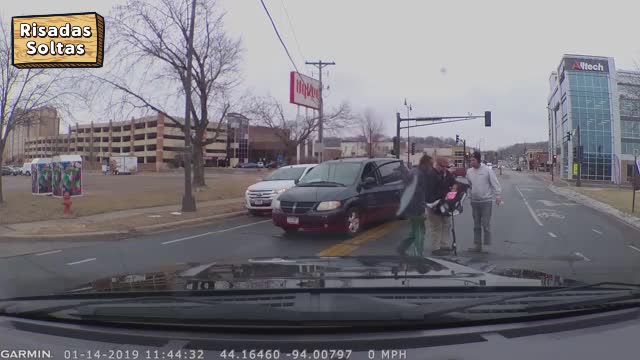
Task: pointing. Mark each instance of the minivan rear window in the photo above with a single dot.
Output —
(342, 173)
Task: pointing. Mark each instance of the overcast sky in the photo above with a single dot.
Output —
(497, 55)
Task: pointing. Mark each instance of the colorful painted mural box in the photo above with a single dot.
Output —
(67, 175)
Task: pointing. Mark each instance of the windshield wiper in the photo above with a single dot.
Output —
(434, 310)
(321, 183)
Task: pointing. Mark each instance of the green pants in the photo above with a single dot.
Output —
(415, 241)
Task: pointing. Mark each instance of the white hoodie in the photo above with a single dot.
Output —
(484, 183)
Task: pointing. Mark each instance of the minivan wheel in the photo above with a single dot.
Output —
(354, 222)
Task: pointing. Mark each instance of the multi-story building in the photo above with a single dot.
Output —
(155, 140)
(43, 124)
(589, 94)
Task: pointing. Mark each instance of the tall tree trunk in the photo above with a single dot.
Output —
(1, 197)
(198, 165)
(1, 162)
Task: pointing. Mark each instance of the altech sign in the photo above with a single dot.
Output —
(586, 65)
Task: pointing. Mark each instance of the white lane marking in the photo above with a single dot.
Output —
(48, 253)
(634, 248)
(582, 256)
(597, 232)
(552, 234)
(213, 232)
(81, 261)
(533, 214)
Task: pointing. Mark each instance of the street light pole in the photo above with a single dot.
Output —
(633, 181)
(188, 202)
(579, 157)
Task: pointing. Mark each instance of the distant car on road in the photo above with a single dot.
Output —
(272, 165)
(342, 195)
(259, 196)
(260, 164)
(6, 171)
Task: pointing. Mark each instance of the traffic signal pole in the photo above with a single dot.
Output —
(435, 120)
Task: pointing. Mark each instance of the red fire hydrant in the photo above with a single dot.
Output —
(67, 204)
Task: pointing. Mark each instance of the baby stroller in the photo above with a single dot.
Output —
(451, 205)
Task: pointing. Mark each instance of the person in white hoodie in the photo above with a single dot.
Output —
(484, 189)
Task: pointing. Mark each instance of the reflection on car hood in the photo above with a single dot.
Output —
(316, 193)
(323, 272)
(272, 185)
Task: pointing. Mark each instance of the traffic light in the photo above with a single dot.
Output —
(457, 139)
(555, 159)
(413, 148)
(568, 135)
(487, 118)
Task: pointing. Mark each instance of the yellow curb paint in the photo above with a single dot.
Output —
(347, 247)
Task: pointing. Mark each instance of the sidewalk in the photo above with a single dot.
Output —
(132, 221)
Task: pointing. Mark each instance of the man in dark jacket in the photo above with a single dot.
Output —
(415, 211)
(439, 183)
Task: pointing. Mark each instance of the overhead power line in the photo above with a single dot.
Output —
(275, 28)
(293, 31)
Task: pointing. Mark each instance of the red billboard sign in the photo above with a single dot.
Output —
(304, 90)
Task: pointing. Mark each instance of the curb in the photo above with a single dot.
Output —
(147, 229)
(597, 205)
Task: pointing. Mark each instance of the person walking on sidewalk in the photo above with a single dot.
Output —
(484, 188)
(415, 210)
(440, 182)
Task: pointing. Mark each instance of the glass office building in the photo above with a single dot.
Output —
(587, 93)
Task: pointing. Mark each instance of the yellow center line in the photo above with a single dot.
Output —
(347, 247)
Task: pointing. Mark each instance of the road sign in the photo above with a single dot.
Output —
(575, 169)
(279, 158)
(549, 162)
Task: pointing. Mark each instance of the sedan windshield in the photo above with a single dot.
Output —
(341, 173)
(286, 174)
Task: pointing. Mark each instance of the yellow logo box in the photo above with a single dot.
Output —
(58, 41)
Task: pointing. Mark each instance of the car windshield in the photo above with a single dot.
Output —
(293, 173)
(343, 173)
(180, 147)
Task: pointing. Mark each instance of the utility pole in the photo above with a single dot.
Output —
(188, 202)
(320, 64)
(579, 157)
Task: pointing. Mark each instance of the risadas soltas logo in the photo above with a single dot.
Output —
(58, 41)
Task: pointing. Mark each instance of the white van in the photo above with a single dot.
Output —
(26, 169)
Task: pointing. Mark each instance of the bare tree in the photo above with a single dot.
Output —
(293, 132)
(151, 42)
(371, 128)
(24, 91)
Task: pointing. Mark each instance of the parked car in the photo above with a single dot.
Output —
(272, 165)
(16, 170)
(259, 196)
(260, 164)
(26, 169)
(342, 195)
(518, 168)
(6, 171)
(247, 166)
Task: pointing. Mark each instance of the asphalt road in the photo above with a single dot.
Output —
(535, 229)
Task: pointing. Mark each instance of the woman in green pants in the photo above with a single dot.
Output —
(415, 210)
